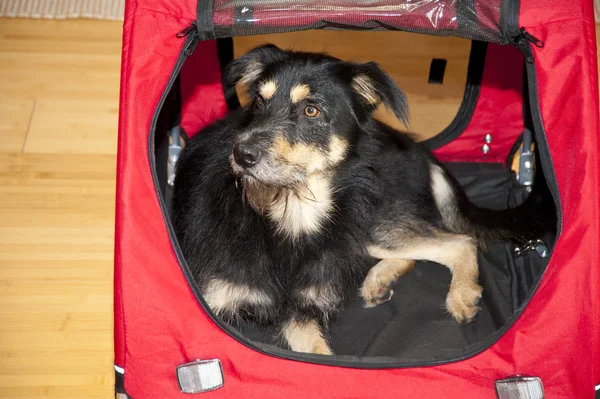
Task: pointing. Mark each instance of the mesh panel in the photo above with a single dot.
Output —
(471, 19)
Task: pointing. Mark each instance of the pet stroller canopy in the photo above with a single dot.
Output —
(480, 20)
(159, 322)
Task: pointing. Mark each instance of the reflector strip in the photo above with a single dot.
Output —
(520, 388)
(200, 376)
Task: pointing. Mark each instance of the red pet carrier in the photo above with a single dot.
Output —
(532, 78)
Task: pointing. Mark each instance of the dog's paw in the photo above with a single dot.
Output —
(375, 292)
(321, 348)
(462, 301)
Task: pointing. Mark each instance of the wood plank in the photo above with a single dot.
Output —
(15, 117)
(91, 391)
(69, 36)
(79, 321)
(57, 207)
(60, 59)
(73, 126)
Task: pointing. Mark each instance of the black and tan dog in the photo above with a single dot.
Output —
(282, 208)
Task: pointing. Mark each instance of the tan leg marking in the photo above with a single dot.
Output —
(224, 297)
(458, 253)
(306, 337)
(321, 296)
(376, 288)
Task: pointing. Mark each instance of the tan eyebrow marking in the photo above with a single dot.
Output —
(268, 89)
(299, 92)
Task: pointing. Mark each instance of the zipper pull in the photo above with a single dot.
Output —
(536, 42)
(522, 42)
(186, 31)
(192, 38)
(191, 44)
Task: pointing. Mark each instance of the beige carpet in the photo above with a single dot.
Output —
(63, 9)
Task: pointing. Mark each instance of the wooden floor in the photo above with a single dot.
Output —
(59, 84)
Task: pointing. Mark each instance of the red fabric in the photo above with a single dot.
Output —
(119, 314)
(499, 110)
(159, 323)
(202, 100)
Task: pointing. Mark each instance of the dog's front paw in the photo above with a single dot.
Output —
(375, 292)
(462, 300)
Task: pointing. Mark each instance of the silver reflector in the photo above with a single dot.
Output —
(520, 388)
(200, 376)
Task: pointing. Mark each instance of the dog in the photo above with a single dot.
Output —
(282, 208)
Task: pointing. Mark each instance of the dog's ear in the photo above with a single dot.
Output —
(374, 86)
(247, 68)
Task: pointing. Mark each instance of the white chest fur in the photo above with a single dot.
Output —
(304, 210)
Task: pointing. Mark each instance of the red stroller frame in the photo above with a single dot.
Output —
(161, 323)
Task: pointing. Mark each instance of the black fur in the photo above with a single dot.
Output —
(382, 174)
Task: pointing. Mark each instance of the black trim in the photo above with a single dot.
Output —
(527, 119)
(119, 383)
(464, 9)
(225, 51)
(543, 148)
(527, 122)
(437, 70)
(204, 19)
(467, 107)
(509, 20)
(350, 361)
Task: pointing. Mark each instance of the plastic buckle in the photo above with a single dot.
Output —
(520, 387)
(532, 245)
(175, 148)
(526, 172)
(200, 376)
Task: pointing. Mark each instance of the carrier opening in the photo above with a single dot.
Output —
(495, 148)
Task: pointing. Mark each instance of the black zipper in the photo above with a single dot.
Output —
(192, 39)
(523, 42)
(541, 139)
(509, 20)
(515, 35)
(186, 31)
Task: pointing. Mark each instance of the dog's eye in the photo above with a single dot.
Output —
(260, 100)
(311, 111)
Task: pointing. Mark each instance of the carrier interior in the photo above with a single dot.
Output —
(413, 327)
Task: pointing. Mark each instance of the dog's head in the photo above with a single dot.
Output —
(305, 112)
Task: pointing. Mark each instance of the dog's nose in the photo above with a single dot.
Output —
(246, 154)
